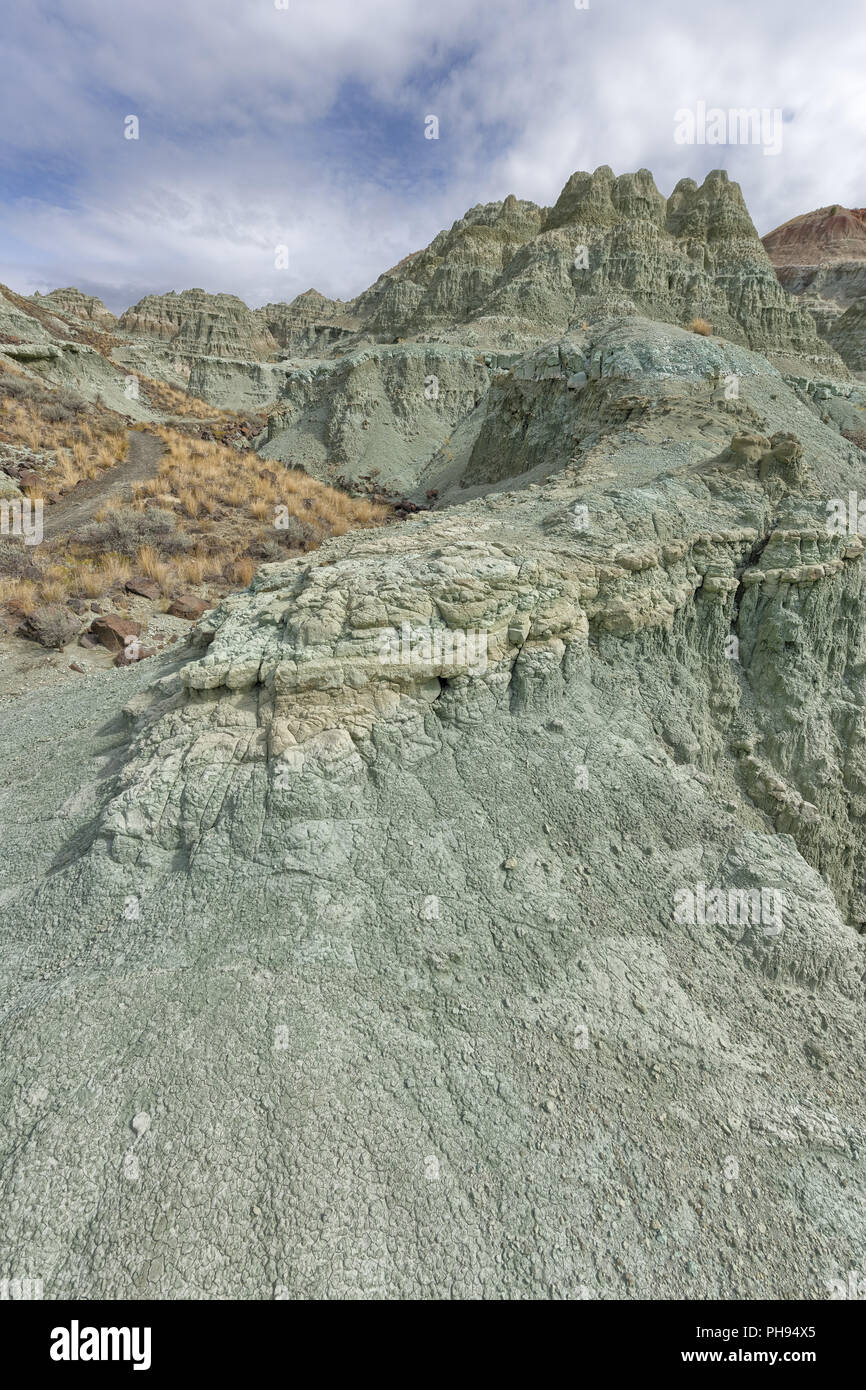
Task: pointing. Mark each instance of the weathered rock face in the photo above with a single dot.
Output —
(309, 323)
(22, 323)
(509, 276)
(72, 302)
(452, 279)
(437, 419)
(847, 334)
(486, 883)
(217, 325)
(35, 341)
(513, 274)
(821, 257)
(504, 278)
(378, 413)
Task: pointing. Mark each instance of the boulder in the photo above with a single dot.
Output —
(143, 586)
(52, 625)
(188, 606)
(114, 631)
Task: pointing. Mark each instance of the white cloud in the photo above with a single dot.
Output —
(304, 127)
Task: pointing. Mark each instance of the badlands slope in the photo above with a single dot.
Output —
(525, 966)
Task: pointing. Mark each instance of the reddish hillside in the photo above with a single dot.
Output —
(823, 237)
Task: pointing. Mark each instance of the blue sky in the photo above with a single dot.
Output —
(304, 126)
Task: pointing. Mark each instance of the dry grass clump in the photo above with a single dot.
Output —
(702, 326)
(58, 581)
(85, 439)
(249, 499)
(196, 569)
(151, 563)
(23, 593)
(169, 401)
(241, 571)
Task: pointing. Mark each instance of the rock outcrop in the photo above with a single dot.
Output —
(505, 278)
(822, 251)
(72, 303)
(512, 274)
(379, 413)
(847, 334)
(65, 351)
(310, 323)
(216, 325)
(510, 278)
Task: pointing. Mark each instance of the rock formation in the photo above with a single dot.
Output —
(505, 277)
(474, 910)
(512, 274)
(821, 257)
(847, 335)
(310, 322)
(823, 251)
(218, 325)
(71, 303)
(509, 276)
(65, 351)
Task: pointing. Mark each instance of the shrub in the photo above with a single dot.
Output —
(52, 625)
(702, 326)
(55, 413)
(125, 530)
(295, 533)
(21, 388)
(71, 400)
(16, 561)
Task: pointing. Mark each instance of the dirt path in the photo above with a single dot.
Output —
(80, 505)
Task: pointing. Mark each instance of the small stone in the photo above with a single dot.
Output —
(132, 654)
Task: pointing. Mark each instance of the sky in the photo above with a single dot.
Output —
(303, 125)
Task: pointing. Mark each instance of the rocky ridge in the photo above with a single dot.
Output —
(216, 325)
(72, 303)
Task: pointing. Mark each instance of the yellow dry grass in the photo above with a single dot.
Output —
(155, 567)
(82, 447)
(226, 501)
(22, 592)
